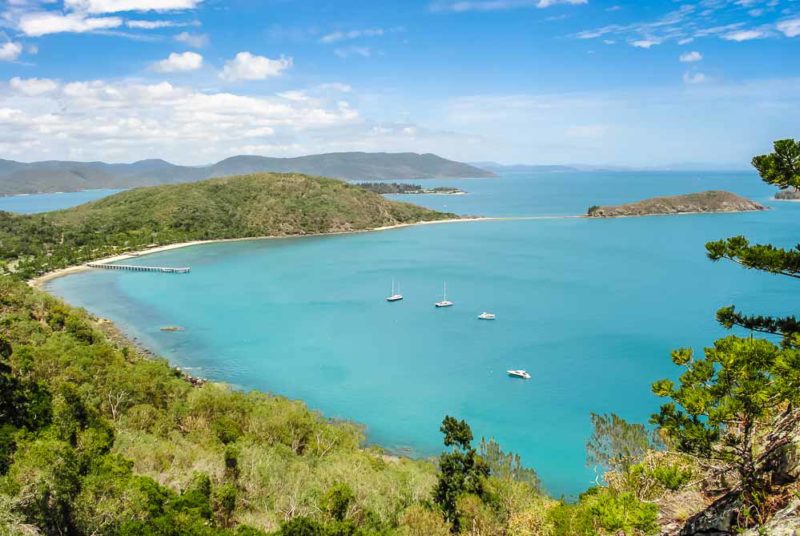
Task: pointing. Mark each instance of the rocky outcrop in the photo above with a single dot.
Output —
(790, 194)
(785, 522)
(779, 467)
(702, 202)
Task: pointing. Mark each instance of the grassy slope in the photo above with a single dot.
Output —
(265, 204)
(287, 456)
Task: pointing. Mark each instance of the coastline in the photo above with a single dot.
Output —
(40, 281)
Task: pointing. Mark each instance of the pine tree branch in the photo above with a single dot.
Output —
(786, 327)
(764, 257)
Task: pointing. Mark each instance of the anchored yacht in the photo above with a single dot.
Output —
(486, 316)
(395, 296)
(445, 302)
(519, 374)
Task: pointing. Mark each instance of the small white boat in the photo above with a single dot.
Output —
(395, 296)
(486, 316)
(519, 374)
(445, 302)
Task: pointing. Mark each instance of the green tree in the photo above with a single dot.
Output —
(461, 470)
(506, 465)
(45, 477)
(780, 168)
(723, 401)
(726, 400)
(337, 500)
(616, 444)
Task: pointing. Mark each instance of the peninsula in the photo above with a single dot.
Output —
(248, 206)
(703, 202)
(400, 188)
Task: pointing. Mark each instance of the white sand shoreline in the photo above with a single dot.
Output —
(39, 282)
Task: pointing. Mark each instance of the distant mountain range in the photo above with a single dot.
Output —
(65, 176)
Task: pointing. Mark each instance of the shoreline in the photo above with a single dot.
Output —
(40, 281)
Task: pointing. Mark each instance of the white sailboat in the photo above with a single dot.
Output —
(395, 296)
(445, 302)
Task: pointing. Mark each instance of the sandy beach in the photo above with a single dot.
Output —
(39, 282)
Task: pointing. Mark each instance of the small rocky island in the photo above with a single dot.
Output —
(702, 202)
(401, 188)
(790, 194)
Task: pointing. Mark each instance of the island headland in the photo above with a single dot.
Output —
(711, 201)
(239, 207)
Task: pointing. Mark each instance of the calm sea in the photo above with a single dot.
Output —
(591, 308)
(31, 204)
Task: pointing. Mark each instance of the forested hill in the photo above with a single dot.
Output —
(266, 204)
(61, 176)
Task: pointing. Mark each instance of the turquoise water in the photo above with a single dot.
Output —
(591, 308)
(31, 204)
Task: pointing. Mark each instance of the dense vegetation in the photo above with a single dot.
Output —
(95, 438)
(231, 207)
(403, 188)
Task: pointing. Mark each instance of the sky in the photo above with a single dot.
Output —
(661, 83)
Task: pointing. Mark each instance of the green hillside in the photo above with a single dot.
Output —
(266, 204)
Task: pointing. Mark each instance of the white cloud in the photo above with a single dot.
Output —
(690, 57)
(151, 24)
(790, 28)
(126, 120)
(192, 40)
(548, 3)
(10, 51)
(335, 37)
(33, 86)
(645, 43)
(686, 23)
(175, 62)
(246, 66)
(43, 23)
(497, 5)
(346, 52)
(118, 6)
(336, 86)
(744, 35)
(694, 78)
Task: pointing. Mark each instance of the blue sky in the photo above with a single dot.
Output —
(638, 83)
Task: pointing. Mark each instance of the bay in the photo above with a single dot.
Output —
(591, 308)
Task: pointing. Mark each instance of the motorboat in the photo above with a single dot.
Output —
(519, 374)
(486, 316)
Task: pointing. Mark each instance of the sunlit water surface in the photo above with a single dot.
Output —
(591, 308)
(31, 204)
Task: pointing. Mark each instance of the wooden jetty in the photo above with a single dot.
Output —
(135, 268)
